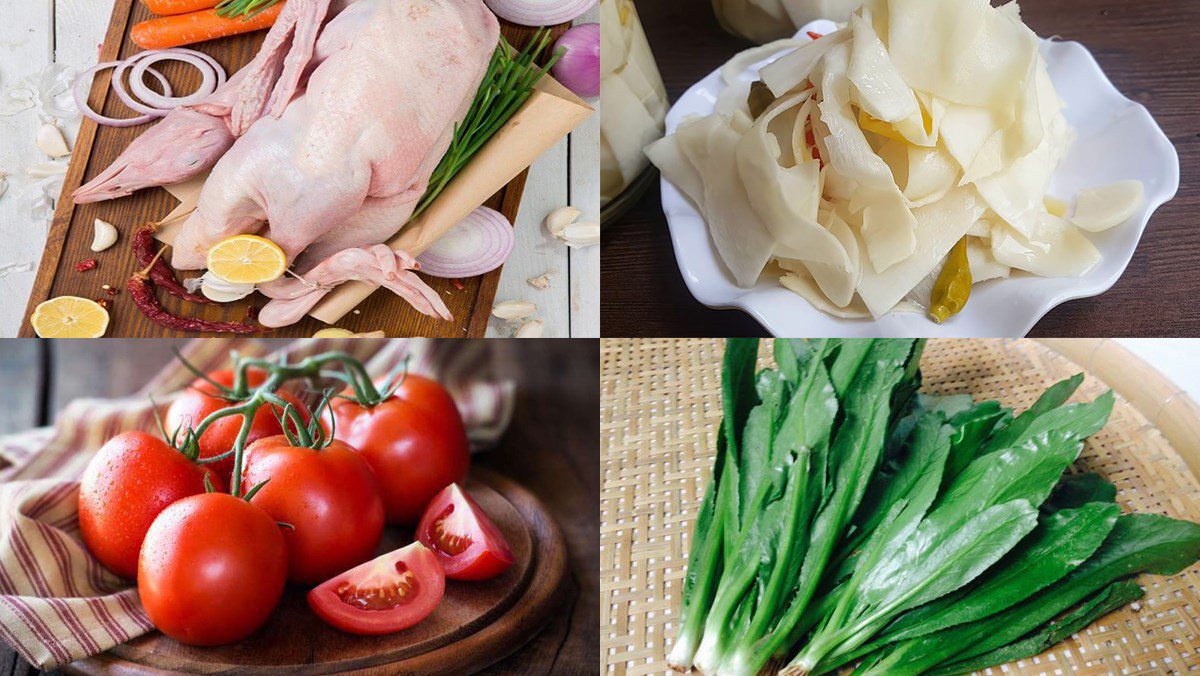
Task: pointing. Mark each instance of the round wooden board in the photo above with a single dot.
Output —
(476, 623)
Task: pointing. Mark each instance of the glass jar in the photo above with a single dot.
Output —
(766, 20)
(633, 105)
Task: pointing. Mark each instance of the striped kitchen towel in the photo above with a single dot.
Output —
(57, 603)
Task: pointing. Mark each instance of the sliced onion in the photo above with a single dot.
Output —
(479, 243)
(83, 85)
(152, 104)
(579, 67)
(143, 61)
(539, 12)
(126, 98)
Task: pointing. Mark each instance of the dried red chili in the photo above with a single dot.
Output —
(141, 290)
(160, 273)
(112, 291)
(85, 265)
(815, 36)
(103, 302)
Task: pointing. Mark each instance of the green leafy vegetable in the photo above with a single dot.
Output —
(851, 518)
(1112, 597)
(1138, 543)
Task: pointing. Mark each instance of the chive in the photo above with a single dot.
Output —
(507, 84)
(243, 8)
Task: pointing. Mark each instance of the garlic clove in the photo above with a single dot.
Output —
(50, 140)
(542, 282)
(561, 218)
(220, 291)
(333, 332)
(514, 309)
(578, 235)
(105, 235)
(530, 329)
(46, 169)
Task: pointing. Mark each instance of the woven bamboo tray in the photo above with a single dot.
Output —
(659, 414)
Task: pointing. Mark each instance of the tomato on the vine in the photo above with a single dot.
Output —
(328, 496)
(127, 483)
(466, 542)
(200, 399)
(212, 569)
(387, 594)
(414, 440)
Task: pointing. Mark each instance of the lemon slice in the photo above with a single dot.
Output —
(246, 259)
(69, 317)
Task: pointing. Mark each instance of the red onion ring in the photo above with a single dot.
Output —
(128, 100)
(539, 12)
(83, 86)
(143, 61)
(479, 243)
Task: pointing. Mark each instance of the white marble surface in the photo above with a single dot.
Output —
(38, 32)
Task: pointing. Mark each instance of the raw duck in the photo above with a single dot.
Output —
(190, 139)
(345, 164)
(377, 265)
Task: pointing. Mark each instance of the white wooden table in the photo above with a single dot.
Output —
(34, 33)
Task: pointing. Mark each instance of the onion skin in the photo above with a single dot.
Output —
(579, 67)
(539, 12)
(488, 240)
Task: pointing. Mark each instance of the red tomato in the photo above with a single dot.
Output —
(415, 442)
(330, 497)
(200, 399)
(132, 478)
(387, 594)
(466, 542)
(212, 569)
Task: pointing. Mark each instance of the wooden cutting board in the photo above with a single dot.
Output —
(469, 300)
(476, 624)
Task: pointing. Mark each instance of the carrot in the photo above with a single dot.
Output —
(169, 7)
(165, 32)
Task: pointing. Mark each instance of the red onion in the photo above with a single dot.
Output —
(579, 67)
(138, 85)
(479, 243)
(539, 12)
(152, 103)
(126, 98)
(84, 84)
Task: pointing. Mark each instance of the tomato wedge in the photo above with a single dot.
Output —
(466, 542)
(384, 595)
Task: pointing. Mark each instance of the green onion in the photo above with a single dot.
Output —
(243, 8)
(507, 84)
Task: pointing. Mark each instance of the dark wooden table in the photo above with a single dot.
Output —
(551, 448)
(1148, 48)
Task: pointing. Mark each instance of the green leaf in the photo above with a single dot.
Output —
(971, 427)
(1056, 395)
(1138, 543)
(1107, 600)
(1076, 490)
(931, 562)
(1060, 543)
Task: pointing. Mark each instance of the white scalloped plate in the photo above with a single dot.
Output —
(1117, 139)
